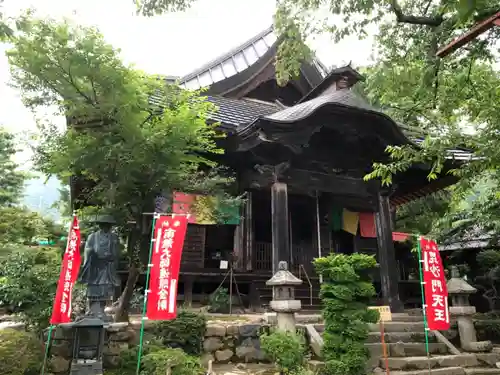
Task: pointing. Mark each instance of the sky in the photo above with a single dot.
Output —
(173, 44)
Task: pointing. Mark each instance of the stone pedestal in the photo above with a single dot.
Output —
(284, 303)
(88, 336)
(459, 291)
(86, 368)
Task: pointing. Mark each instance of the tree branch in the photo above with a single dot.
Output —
(414, 20)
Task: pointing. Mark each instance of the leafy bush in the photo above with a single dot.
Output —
(155, 360)
(219, 301)
(157, 363)
(28, 281)
(127, 364)
(186, 332)
(488, 326)
(285, 349)
(20, 352)
(345, 294)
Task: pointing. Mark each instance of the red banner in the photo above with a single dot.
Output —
(61, 311)
(169, 235)
(436, 292)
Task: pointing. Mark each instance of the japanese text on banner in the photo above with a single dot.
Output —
(61, 311)
(436, 292)
(169, 234)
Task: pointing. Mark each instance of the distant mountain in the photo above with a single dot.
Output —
(39, 196)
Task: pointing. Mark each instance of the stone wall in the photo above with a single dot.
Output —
(224, 342)
(120, 336)
(234, 343)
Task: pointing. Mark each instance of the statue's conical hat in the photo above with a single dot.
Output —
(105, 219)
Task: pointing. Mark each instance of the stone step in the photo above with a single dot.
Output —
(488, 359)
(482, 371)
(406, 349)
(436, 371)
(399, 327)
(394, 337)
(405, 317)
(423, 362)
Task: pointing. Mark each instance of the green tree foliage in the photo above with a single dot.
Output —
(489, 266)
(420, 216)
(345, 294)
(19, 225)
(5, 30)
(63, 204)
(126, 146)
(11, 179)
(28, 282)
(427, 23)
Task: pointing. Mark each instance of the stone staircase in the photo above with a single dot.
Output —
(405, 342)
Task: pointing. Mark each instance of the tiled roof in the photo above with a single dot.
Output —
(236, 61)
(231, 63)
(341, 98)
(234, 112)
(345, 98)
(300, 111)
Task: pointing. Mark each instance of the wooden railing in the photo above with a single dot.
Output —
(262, 256)
(302, 269)
(302, 257)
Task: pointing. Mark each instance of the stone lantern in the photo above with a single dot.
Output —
(87, 347)
(459, 291)
(284, 303)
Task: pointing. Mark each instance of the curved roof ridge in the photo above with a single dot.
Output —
(342, 98)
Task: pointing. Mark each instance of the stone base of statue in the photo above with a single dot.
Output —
(96, 309)
(91, 367)
(98, 297)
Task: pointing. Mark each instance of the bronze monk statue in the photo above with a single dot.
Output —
(99, 270)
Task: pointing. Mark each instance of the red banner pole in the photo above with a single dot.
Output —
(146, 292)
(65, 286)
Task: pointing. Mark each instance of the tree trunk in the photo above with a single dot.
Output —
(121, 313)
(134, 255)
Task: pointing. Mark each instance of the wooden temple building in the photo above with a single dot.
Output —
(300, 153)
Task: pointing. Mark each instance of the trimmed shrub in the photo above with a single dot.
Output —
(157, 363)
(345, 294)
(219, 301)
(186, 332)
(285, 349)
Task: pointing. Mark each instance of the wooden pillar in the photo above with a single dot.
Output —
(238, 246)
(389, 275)
(279, 214)
(249, 232)
(188, 290)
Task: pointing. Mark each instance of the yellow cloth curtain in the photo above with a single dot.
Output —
(350, 221)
